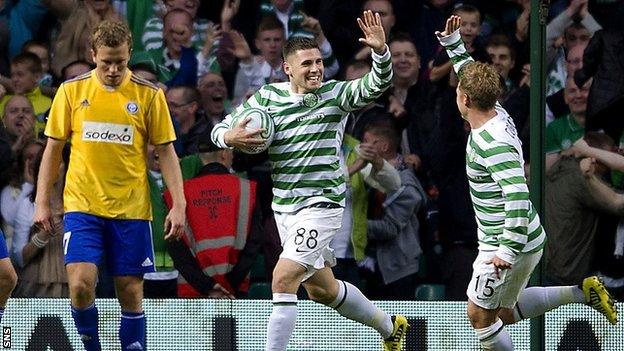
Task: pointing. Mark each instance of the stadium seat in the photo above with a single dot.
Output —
(430, 292)
(260, 291)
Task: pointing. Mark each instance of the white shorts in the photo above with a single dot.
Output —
(305, 236)
(491, 292)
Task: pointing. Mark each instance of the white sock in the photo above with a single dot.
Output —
(495, 337)
(282, 321)
(352, 304)
(536, 301)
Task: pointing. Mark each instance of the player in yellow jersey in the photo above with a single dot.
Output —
(109, 116)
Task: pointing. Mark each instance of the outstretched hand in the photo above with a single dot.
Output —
(452, 24)
(374, 35)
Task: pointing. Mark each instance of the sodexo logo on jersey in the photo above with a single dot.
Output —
(108, 132)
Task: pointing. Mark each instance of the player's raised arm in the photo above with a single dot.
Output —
(452, 42)
(361, 92)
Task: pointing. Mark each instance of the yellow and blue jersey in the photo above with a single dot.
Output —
(109, 129)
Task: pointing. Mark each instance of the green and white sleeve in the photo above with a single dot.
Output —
(355, 94)
(456, 50)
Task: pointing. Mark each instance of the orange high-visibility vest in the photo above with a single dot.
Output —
(219, 211)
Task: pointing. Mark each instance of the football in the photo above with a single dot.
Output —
(259, 119)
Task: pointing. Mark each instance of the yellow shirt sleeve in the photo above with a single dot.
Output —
(160, 126)
(59, 119)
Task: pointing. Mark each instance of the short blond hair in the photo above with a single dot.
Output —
(481, 83)
(111, 34)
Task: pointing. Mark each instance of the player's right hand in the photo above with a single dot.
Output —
(174, 223)
(43, 217)
(242, 138)
(452, 24)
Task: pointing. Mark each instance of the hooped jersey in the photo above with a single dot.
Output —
(109, 129)
(304, 154)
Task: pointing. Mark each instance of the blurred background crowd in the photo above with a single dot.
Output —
(211, 55)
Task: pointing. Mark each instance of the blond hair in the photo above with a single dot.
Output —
(111, 34)
(481, 83)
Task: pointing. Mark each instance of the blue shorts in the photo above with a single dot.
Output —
(4, 253)
(126, 243)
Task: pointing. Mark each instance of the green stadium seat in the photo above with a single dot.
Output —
(430, 292)
(260, 291)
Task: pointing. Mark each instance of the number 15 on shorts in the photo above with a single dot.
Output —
(485, 286)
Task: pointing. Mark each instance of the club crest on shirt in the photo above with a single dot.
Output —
(132, 107)
(310, 99)
(566, 144)
(472, 155)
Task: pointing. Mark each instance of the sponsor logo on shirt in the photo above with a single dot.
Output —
(107, 133)
(309, 117)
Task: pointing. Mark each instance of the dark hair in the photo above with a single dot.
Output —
(111, 34)
(144, 66)
(73, 63)
(466, 8)
(403, 37)
(269, 22)
(298, 43)
(386, 129)
(357, 64)
(574, 25)
(497, 40)
(16, 171)
(29, 59)
(189, 93)
(599, 140)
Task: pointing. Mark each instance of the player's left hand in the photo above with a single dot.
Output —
(374, 34)
(174, 223)
(499, 264)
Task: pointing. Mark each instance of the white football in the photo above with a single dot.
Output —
(259, 120)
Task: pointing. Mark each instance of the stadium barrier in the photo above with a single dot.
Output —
(46, 324)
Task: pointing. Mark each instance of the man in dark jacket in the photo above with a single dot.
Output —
(604, 61)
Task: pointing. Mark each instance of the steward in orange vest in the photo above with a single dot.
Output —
(224, 233)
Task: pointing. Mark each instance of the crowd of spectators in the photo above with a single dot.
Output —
(416, 228)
